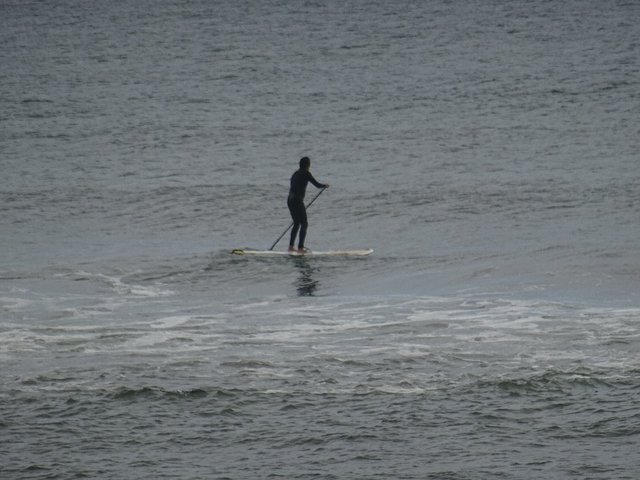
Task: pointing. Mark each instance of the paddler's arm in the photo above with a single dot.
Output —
(316, 183)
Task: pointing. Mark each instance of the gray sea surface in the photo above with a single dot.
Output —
(486, 150)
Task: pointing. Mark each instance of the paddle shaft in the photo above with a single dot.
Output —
(289, 227)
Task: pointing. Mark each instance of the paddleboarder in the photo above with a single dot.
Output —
(295, 202)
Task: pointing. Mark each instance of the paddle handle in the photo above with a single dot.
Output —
(289, 227)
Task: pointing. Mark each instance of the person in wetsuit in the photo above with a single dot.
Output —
(295, 202)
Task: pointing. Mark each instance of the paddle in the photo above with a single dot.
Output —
(289, 227)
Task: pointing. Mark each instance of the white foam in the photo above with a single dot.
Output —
(129, 289)
(14, 303)
(171, 322)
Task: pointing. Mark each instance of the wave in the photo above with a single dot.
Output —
(554, 381)
(155, 393)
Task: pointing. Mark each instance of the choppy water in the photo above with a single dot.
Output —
(487, 151)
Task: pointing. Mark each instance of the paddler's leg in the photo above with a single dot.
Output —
(303, 229)
(294, 208)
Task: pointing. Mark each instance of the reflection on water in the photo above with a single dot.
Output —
(306, 285)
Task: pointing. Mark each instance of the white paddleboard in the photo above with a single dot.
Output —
(363, 252)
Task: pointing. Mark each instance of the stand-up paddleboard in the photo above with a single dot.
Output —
(363, 252)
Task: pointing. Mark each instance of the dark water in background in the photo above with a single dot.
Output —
(487, 151)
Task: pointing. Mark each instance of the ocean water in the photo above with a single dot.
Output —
(487, 151)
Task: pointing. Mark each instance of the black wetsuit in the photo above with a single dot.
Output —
(295, 202)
